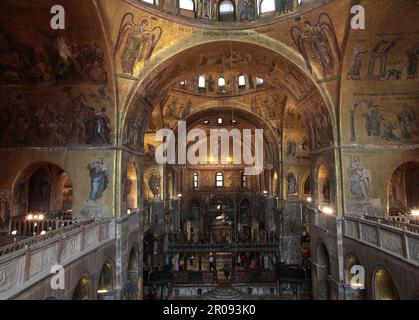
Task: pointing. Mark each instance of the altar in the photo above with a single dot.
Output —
(221, 225)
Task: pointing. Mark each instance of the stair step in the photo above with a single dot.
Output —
(224, 293)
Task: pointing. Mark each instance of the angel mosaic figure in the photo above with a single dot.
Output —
(139, 42)
(318, 45)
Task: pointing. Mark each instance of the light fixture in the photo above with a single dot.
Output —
(179, 195)
(415, 212)
(43, 232)
(309, 199)
(102, 291)
(29, 217)
(128, 211)
(41, 217)
(357, 285)
(327, 210)
(14, 232)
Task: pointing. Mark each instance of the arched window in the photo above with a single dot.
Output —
(105, 281)
(243, 180)
(132, 285)
(242, 81)
(82, 291)
(201, 81)
(266, 6)
(259, 81)
(219, 180)
(226, 11)
(323, 185)
(131, 187)
(403, 190)
(187, 5)
(384, 286)
(155, 2)
(221, 82)
(196, 180)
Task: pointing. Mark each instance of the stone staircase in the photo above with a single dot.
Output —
(224, 292)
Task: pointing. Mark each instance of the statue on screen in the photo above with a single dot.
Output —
(154, 185)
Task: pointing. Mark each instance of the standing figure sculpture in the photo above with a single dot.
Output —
(292, 184)
(139, 42)
(99, 178)
(359, 179)
(246, 10)
(208, 9)
(154, 185)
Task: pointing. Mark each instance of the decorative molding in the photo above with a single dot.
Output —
(391, 241)
(79, 148)
(369, 233)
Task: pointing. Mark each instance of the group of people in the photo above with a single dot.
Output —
(213, 268)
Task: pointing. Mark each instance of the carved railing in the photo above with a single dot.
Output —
(23, 227)
(256, 276)
(401, 223)
(394, 238)
(216, 247)
(239, 276)
(157, 275)
(26, 262)
(27, 243)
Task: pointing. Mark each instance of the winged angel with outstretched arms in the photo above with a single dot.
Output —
(139, 42)
(318, 45)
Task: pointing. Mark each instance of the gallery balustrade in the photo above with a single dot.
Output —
(34, 224)
(223, 247)
(393, 237)
(410, 223)
(38, 239)
(24, 262)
